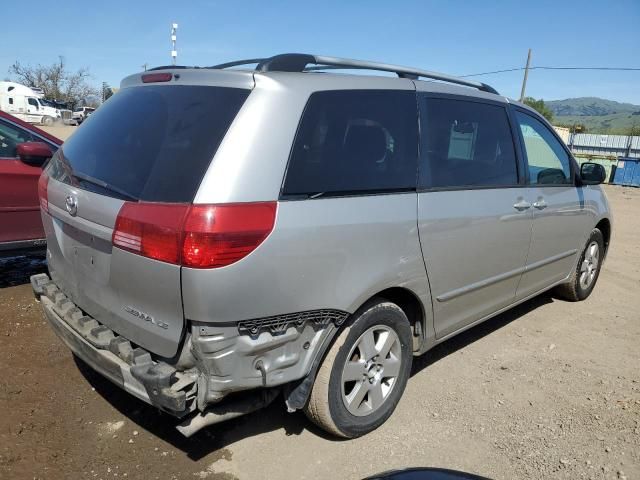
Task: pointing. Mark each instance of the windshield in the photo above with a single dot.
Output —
(151, 143)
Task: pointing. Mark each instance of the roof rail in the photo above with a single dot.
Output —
(297, 62)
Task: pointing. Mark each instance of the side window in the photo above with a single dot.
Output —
(465, 144)
(10, 137)
(549, 163)
(352, 141)
(33, 102)
(10, 100)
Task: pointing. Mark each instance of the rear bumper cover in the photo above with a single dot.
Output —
(260, 355)
(131, 368)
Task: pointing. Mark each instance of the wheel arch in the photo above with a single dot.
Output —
(604, 225)
(412, 307)
(297, 393)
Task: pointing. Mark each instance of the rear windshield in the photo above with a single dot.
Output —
(151, 143)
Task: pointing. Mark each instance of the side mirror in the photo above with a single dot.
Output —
(592, 173)
(34, 153)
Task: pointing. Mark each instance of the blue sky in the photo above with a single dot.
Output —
(115, 38)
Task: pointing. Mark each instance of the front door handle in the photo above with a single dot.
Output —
(540, 204)
(522, 205)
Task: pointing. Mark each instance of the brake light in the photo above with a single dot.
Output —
(43, 195)
(196, 236)
(156, 77)
(219, 235)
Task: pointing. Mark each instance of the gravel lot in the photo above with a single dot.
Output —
(548, 390)
(61, 131)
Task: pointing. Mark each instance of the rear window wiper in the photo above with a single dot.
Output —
(102, 184)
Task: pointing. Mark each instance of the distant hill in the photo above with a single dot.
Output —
(597, 114)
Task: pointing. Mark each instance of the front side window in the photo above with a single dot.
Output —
(10, 137)
(355, 141)
(465, 144)
(33, 102)
(549, 162)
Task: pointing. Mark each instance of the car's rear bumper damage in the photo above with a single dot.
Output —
(216, 361)
(126, 365)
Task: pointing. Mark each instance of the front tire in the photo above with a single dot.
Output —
(365, 372)
(47, 121)
(585, 275)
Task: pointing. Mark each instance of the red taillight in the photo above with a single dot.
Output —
(196, 236)
(219, 235)
(153, 230)
(43, 195)
(156, 77)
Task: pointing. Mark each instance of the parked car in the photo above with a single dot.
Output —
(23, 151)
(241, 233)
(82, 113)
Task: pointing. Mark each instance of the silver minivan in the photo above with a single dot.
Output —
(219, 236)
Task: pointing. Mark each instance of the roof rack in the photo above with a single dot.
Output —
(297, 62)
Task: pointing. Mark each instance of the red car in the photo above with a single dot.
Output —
(24, 149)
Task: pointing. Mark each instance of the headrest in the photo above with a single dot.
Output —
(365, 143)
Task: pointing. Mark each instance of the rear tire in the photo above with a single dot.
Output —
(364, 373)
(586, 273)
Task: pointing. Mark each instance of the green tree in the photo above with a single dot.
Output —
(540, 107)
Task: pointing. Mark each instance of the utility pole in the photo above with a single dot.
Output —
(174, 52)
(526, 74)
(144, 66)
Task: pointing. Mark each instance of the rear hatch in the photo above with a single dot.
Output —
(148, 143)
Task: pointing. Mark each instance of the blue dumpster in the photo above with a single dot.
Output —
(627, 172)
(635, 181)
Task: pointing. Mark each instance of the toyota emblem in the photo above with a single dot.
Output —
(72, 205)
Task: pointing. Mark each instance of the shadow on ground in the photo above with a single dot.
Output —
(208, 440)
(16, 271)
(463, 339)
(275, 416)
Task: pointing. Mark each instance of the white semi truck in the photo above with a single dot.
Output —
(25, 103)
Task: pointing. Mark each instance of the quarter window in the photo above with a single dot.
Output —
(356, 141)
(549, 162)
(465, 144)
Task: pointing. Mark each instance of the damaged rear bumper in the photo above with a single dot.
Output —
(224, 371)
(130, 367)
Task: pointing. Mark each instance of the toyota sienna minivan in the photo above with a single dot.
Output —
(219, 236)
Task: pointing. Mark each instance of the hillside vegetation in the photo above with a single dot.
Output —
(597, 115)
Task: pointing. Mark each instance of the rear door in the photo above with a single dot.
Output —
(19, 207)
(147, 143)
(561, 218)
(473, 217)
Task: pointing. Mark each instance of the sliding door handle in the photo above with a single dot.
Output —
(522, 206)
(540, 204)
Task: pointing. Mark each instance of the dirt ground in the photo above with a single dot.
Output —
(548, 390)
(61, 131)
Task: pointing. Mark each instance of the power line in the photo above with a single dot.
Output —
(495, 71)
(518, 69)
